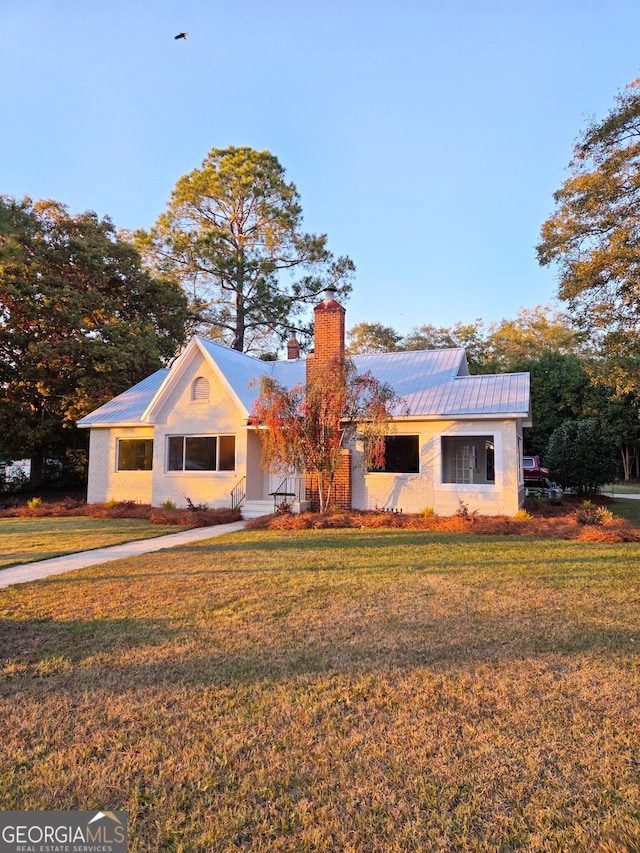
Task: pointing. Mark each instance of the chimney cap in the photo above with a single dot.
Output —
(330, 294)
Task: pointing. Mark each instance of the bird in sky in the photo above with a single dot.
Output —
(181, 36)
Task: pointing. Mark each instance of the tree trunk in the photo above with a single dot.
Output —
(627, 462)
(321, 497)
(37, 466)
(238, 336)
(325, 485)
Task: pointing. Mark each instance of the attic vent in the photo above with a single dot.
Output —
(200, 388)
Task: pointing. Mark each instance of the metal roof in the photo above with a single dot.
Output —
(495, 394)
(128, 407)
(428, 383)
(242, 372)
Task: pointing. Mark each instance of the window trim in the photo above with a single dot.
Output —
(476, 441)
(202, 471)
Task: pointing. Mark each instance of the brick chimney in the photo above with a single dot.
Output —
(293, 347)
(329, 346)
(328, 332)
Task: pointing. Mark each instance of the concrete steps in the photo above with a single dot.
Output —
(255, 509)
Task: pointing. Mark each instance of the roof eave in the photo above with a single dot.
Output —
(111, 424)
(457, 416)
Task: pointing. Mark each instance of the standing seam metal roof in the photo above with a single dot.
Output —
(427, 382)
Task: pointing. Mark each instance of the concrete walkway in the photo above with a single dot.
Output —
(59, 565)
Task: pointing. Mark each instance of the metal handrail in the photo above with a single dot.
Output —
(238, 492)
(294, 487)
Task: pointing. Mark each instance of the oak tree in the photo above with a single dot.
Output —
(80, 321)
(593, 238)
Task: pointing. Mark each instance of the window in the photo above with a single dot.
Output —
(468, 459)
(135, 454)
(401, 455)
(201, 453)
(200, 388)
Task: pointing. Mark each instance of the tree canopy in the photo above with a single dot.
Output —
(80, 321)
(534, 331)
(593, 238)
(561, 389)
(232, 232)
(365, 338)
(489, 350)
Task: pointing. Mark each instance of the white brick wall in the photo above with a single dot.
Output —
(180, 415)
(105, 482)
(415, 492)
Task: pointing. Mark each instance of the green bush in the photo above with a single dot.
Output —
(581, 456)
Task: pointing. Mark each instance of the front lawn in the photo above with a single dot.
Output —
(386, 691)
(627, 508)
(25, 540)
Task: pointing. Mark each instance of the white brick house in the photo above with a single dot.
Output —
(185, 433)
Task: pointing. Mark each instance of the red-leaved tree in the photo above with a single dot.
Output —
(305, 428)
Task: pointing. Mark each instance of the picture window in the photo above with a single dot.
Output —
(201, 453)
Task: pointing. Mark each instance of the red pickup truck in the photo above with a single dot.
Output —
(534, 471)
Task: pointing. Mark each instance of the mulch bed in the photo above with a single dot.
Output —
(68, 506)
(548, 519)
(557, 520)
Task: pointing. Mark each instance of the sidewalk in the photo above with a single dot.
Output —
(59, 565)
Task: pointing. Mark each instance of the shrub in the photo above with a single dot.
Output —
(522, 515)
(464, 513)
(581, 455)
(168, 504)
(590, 513)
(196, 507)
(34, 503)
(605, 516)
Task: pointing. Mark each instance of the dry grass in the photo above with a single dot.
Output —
(25, 540)
(28, 534)
(385, 691)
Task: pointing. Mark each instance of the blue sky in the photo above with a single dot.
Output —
(426, 139)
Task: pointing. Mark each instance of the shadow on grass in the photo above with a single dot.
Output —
(135, 654)
(32, 641)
